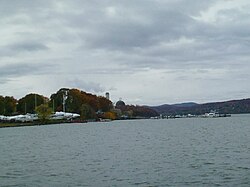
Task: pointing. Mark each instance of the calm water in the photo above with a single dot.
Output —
(180, 152)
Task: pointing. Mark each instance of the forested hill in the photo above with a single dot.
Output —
(229, 107)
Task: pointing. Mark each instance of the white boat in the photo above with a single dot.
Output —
(211, 115)
(215, 114)
(21, 118)
(64, 115)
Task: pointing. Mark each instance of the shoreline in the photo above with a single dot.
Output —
(7, 125)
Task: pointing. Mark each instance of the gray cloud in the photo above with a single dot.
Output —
(87, 86)
(23, 69)
(27, 46)
(113, 44)
(3, 80)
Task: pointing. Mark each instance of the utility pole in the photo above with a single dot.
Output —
(35, 102)
(53, 105)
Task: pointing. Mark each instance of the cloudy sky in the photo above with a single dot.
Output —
(143, 51)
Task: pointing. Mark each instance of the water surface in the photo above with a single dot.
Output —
(176, 152)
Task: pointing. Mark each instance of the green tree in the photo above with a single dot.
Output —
(1, 105)
(28, 103)
(44, 112)
(9, 105)
(75, 101)
(87, 112)
(56, 100)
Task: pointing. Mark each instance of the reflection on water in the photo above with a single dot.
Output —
(180, 152)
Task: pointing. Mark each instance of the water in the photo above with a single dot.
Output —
(178, 152)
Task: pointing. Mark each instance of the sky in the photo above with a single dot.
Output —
(147, 52)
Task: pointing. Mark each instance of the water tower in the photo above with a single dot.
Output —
(107, 95)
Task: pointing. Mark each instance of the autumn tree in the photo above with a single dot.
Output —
(75, 101)
(109, 115)
(140, 111)
(76, 98)
(105, 105)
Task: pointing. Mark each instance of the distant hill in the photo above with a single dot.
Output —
(229, 107)
(190, 104)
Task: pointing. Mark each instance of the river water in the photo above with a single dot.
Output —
(173, 152)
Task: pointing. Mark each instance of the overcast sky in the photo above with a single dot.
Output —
(143, 51)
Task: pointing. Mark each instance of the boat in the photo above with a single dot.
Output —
(215, 114)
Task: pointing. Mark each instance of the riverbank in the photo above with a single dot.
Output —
(6, 125)
(36, 123)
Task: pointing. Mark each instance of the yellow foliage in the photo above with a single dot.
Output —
(109, 115)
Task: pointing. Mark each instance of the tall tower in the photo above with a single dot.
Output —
(107, 95)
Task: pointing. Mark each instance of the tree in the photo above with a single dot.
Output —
(105, 105)
(44, 112)
(9, 105)
(56, 100)
(109, 115)
(87, 112)
(28, 103)
(1, 105)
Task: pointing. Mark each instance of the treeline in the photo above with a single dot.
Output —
(88, 105)
(76, 101)
(131, 111)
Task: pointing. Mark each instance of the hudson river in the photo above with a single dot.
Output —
(173, 152)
